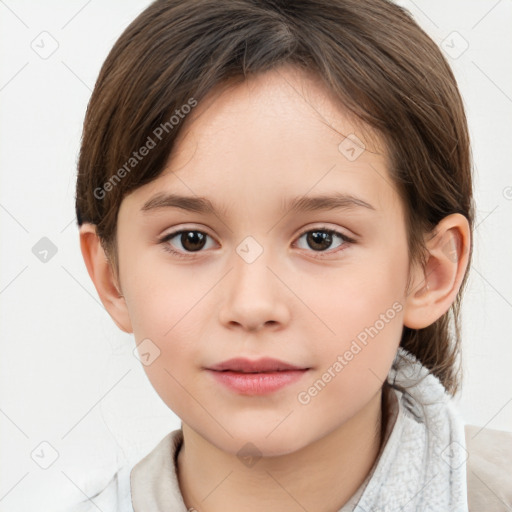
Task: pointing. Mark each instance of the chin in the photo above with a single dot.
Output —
(252, 439)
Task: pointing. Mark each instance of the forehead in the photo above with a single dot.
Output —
(281, 104)
(277, 135)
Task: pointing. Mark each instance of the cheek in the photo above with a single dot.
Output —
(353, 365)
(168, 319)
(163, 297)
(168, 309)
(362, 295)
(364, 308)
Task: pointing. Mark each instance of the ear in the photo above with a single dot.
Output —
(435, 287)
(102, 275)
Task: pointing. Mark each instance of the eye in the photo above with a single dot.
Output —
(322, 238)
(191, 241)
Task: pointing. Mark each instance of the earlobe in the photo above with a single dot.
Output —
(102, 276)
(435, 286)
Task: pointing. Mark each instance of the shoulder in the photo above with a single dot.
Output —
(150, 484)
(154, 479)
(112, 495)
(489, 469)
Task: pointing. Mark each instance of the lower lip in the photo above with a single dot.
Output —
(257, 383)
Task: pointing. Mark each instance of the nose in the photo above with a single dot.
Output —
(255, 296)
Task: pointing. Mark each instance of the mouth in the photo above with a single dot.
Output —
(259, 377)
(263, 365)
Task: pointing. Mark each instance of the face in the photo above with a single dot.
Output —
(318, 287)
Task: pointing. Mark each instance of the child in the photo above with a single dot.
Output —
(317, 153)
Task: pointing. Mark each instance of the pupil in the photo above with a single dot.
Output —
(189, 238)
(316, 238)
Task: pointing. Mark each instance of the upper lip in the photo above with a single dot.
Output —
(266, 364)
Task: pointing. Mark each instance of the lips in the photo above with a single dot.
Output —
(263, 365)
(256, 377)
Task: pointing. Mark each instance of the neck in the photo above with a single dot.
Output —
(322, 476)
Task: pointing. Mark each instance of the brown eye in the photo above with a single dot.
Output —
(322, 239)
(319, 240)
(191, 241)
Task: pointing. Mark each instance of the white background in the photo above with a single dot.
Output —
(68, 375)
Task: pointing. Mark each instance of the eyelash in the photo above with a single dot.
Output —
(167, 247)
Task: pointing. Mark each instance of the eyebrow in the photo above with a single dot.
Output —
(294, 205)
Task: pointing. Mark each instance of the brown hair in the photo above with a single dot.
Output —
(370, 54)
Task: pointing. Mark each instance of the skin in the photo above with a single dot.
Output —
(248, 149)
